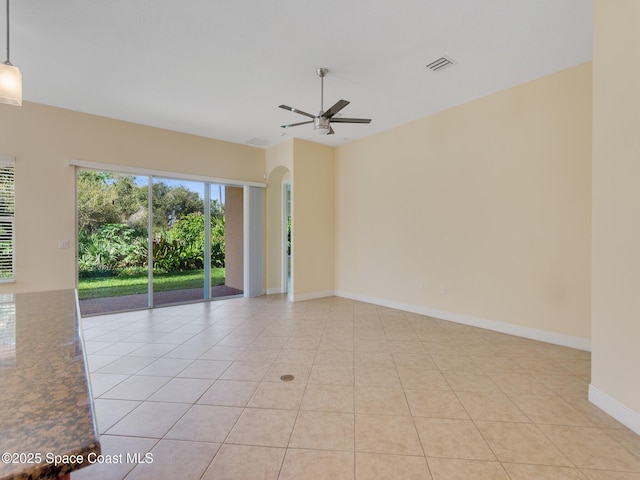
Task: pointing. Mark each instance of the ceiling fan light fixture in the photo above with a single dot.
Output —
(322, 121)
(10, 77)
(321, 125)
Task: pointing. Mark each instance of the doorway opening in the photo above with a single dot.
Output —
(286, 267)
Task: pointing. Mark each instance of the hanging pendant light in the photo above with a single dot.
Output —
(10, 77)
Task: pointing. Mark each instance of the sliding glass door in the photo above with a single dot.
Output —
(113, 267)
(189, 249)
(179, 257)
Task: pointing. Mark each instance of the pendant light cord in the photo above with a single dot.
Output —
(8, 62)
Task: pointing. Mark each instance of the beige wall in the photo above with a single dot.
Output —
(490, 200)
(275, 230)
(279, 163)
(312, 220)
(43, 139)
(309, 167)
(234, 237)
(616, 205)
(280, 155)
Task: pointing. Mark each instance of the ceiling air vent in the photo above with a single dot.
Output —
(440, 64)
(258, 142)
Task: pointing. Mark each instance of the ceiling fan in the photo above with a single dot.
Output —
(322, 122)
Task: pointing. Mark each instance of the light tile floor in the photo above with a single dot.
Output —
(377, 394)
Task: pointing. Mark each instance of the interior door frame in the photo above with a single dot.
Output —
(287, 271)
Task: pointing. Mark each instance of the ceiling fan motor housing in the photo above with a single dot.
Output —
(322, 121)
(321, 125)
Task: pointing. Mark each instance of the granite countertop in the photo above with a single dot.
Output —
(46, 410)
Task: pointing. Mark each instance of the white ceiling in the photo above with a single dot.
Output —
(220, 68)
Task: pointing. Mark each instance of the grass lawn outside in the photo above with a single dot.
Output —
(100, 287)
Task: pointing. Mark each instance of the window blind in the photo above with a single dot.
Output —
(7, 219)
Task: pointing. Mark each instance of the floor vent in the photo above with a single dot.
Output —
(440, 64)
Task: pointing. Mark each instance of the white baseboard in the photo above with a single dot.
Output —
(274, 291)
(502, 327)
(246, 294)
(311, 296)
(629, 418)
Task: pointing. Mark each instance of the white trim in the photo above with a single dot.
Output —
(285, 197)
(253, 218)
(629, 418)
(150, 265)
(311, 296)
(207, 242)
(511, 329)
(108, 167)
(275, 291)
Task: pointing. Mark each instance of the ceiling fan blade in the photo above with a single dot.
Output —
(295, 124)
(295, 110)
(350, 120)
(339, 105)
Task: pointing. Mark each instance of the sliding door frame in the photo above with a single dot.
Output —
(253, 222)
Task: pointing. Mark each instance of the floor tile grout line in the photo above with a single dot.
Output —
(355, 427)
(474, 422)
(518, 423)
(602, 430)
(510, 395)
(606, 432)
(413, 419)
(157, 441)
(293, 428)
